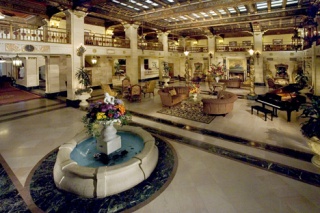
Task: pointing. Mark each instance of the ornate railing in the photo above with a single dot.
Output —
(102, 40)
(24, 32)
(158, 46)
(180, 49)
(231, 48)
(278, 47)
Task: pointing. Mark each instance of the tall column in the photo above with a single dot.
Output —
(163, 38)
(258, 60)
(75, 25)
(132, 66)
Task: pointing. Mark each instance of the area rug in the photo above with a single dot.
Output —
(188, 110)
(13, 95)
(10, 199)
(51, 199)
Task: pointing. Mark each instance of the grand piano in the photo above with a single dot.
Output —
(286, 98)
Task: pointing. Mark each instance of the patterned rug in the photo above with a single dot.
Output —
(51, 199)
(188, 110)
(10, 95)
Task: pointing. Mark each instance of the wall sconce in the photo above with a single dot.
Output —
(257, 54)
(251, 51)
(16, 61)
(210, 55)
(186, 53)
(94, 60)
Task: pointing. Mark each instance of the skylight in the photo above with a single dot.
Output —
(195, 15)
(292, 2)
(231, 10)
(276, 3)
(221, 11)
(242, 8)
(262, 5)
(204, 14)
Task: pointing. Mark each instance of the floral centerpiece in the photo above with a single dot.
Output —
(105, 113)
(217, 70)
(194, 89)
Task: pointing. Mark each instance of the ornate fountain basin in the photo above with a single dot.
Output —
(105, 180)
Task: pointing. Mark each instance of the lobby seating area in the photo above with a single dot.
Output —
(221, 105)
(173, 95)
(243, 180)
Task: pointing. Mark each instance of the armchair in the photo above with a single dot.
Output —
(125, 87)
(135, 93)
(149, 88)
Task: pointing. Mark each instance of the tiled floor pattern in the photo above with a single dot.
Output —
(204, 182)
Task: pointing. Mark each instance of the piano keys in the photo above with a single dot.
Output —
(286, 98)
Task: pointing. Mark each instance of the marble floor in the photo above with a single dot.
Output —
(260, 166)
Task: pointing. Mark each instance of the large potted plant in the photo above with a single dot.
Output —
(84, 92)
(310, 127)
(166, 77)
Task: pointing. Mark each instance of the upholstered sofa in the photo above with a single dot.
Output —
(231, 83)
(222, 105)
(173, 95)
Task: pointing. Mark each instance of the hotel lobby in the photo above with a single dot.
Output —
(241, 161)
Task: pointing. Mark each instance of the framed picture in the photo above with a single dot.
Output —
(246, 43)
(277, 41)
(232, 43)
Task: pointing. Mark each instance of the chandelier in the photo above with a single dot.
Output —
(310, 30)
(16, 61)
(296, 40)
(142, 41)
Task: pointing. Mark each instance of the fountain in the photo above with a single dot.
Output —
(75, 170)
(103, 181)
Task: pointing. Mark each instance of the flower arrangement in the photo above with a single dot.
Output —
(103, 113)
(217, 70)
(166, 68)
(194, 89)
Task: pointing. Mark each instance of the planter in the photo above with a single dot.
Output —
(314, 144)
(166, 79)
(84, 97)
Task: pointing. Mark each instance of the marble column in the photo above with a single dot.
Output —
(75, 25)
(132, 64)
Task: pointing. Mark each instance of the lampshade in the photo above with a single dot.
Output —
(251, 51)
(186, 53)
(296, 41)
(16, 61)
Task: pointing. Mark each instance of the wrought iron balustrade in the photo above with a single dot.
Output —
(233, 48)
(102, 40)
(24, 32)
(149, 45)
(181, 49)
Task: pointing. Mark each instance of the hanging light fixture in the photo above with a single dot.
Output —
(310, 30)
(142, 42)
(16, 61)
(296, 39)
(186, 52)
(94, 60)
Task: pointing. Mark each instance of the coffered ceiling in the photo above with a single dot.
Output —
(193, 18)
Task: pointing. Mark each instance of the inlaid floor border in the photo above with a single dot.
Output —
(230, 138)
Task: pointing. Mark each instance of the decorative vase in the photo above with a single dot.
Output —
(217, 79)
(108, 141)
(194, 95)
(314, 144)
(166, 79)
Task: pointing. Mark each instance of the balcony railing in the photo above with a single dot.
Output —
(278, 47)
(24, 32)
(104, 41)
(230, 48)
(158, 46)
(180, 49)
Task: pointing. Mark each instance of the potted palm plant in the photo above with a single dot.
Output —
(166, 77)
(84, 92)
(310, 128)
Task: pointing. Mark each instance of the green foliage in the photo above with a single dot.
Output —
(311, 110)
(301, 79)
(83, 77)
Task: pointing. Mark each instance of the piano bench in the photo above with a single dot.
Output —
(262, 109)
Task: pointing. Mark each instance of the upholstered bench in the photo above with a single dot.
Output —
(263, 110)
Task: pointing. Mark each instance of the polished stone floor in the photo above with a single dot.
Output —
(237, 163)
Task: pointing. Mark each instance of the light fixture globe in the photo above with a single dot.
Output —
(16, 61)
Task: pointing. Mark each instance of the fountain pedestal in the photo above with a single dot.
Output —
(108, 141)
